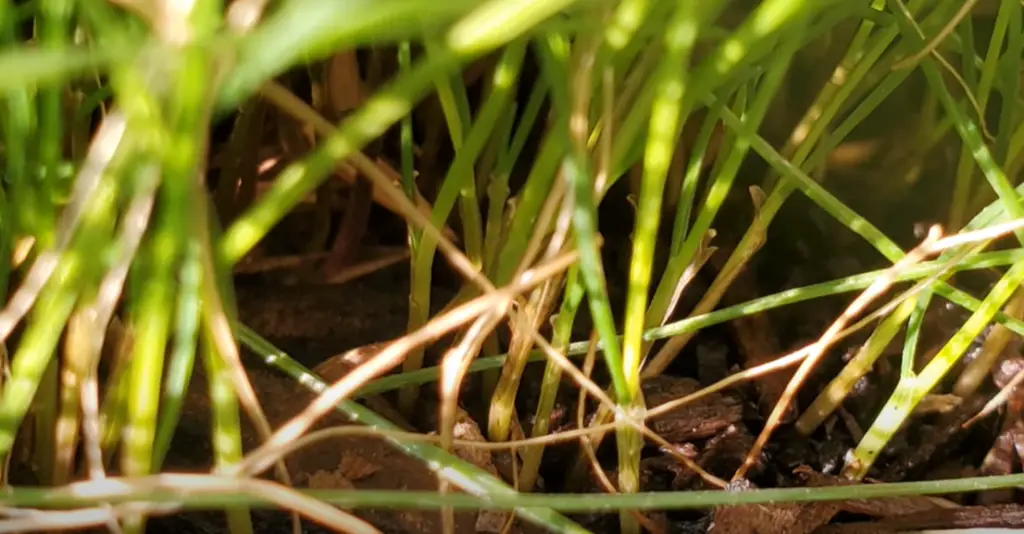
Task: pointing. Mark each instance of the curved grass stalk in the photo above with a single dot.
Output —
(911, 389)
(913, 335)
(792, 296)
(453, 368)
(457, 471)
(529, 319)
(563, 320)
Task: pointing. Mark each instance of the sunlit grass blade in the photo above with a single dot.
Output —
(181, 359)
(306, 30)
(458, 176)
(765, 92)
(792, 296)
(911, 389)
(668, 111)
(50, 313)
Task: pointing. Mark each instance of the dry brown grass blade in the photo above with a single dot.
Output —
(196, 484)
(931, 245)
(817, 349)
(999, 399)
(385, 179)
(101, 152)
(933, 44)
(453, 371)
(393, 354)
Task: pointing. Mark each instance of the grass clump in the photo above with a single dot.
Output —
(525, 143)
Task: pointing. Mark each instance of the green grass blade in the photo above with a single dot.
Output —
(691, 324)
(182, 356)
(911, 389)
(308, 30)
(458, 176)
(375, 116)
(459, 472)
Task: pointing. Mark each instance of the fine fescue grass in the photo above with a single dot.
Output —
(117, 239)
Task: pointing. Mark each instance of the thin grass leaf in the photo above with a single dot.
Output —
(912, 388)
(51, 312)
(567, 502)
(792, 296)
(307, 30)
(181, 359)
(377, 114)
(459, 472)
(226, 431)
(459, 174)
